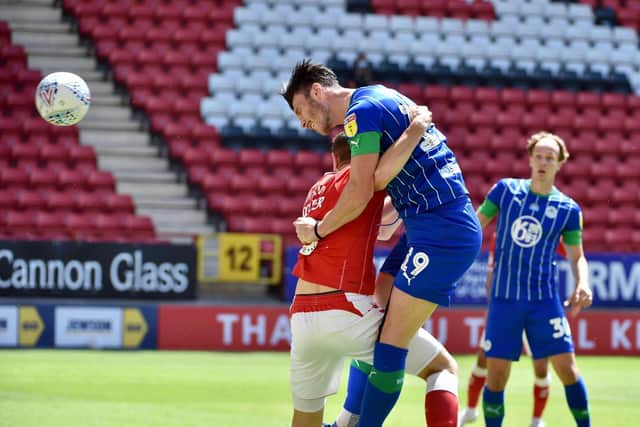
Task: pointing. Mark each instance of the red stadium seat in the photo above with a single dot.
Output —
(307, 160)
(196, 157)
(101, 180)
(224, 157)
(289, 207)
(279, 159)
(24, 153)
(14, 178)
(538, 97)
(82, 155)
(89, 201)
(273, 184)
(435, 93)
(43, 178)
(242, 184)
(30, 200)
(214, 183)
(461, 94)
(119, 203)
(413, 91)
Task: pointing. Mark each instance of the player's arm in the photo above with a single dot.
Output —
(490, 206)
(486, 212)
(582, 296)
(394, 159)
(390, 220)
(352, 201)
(355, 195)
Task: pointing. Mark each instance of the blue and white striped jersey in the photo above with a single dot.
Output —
(528, 232)
(376, 117)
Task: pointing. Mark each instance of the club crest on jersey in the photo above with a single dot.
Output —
(551, 212)
(350, 125)
(526, 231)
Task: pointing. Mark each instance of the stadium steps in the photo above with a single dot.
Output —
(121, 145)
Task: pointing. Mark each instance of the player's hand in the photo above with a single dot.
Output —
(304, 229)
(582, 297)
(420, 115)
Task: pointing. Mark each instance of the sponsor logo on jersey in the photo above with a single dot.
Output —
(350, 125)
(526, 231)
(450, 169)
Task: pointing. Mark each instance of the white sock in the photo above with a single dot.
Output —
(347, 419)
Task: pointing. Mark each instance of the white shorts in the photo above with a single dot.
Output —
(328, 329)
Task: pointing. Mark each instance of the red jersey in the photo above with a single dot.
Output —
(343, 259)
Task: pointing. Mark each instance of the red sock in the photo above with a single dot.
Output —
(540, 396)
(441, 408)
(474, 389)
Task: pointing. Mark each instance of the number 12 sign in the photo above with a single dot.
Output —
(239, 257)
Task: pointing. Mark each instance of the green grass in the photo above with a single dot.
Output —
(104, 388)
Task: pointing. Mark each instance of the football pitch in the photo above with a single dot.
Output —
(119, 388)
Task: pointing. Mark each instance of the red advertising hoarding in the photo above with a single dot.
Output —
(235, 328)
(266, 328)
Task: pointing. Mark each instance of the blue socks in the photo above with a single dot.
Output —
(578, 403)
(384, 384)
(493, 407)
(358, 374)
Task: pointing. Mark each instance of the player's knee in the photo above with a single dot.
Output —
(305, 408)
(541, 368)
(442, 362)
(569, 374)
(443, 380)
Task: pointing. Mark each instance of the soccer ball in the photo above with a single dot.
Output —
(62, 99)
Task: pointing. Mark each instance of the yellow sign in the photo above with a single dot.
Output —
(31, 326)
(134, 329)
(239, 257)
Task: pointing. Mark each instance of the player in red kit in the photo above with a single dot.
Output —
(333, 316)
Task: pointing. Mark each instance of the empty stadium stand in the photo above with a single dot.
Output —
(206, 76)
(50, 186)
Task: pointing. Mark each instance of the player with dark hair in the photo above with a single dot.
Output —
(443, 232)
(533, 215)
(333, 315)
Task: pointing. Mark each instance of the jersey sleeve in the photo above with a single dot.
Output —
(491, 204)
(363, 127)
(572, 233)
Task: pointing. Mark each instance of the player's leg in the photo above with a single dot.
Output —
(350, 413)
(325, 329)
(540, 390)
(550, 336)
(359, 370)
(442, 246)
(429, 360)
(405, 315)
(498, 371)
(502, 345)
(308, 419)
(474, 388)
(575, 389)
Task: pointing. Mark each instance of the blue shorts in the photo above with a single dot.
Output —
(544, 322)
(396, 257)
(442, 245)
